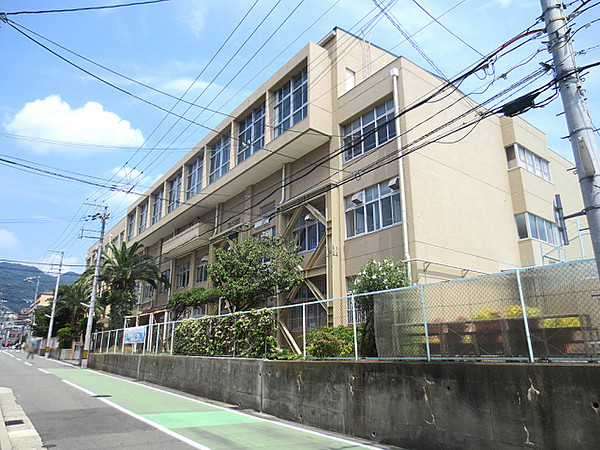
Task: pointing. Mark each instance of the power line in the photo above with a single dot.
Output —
(86, 8)
(447, 29)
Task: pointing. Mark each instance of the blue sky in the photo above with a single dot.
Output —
(55, 117)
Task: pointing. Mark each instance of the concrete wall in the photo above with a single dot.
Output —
(409, 404)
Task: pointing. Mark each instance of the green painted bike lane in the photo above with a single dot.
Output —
(209, 426)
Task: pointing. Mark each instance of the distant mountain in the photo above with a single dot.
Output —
(19, 293)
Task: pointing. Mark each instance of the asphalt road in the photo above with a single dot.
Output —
(73, 408)
(67, 418)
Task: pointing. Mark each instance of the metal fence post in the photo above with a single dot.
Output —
(116, 340)
(425, 324)
(172, 336)
(526, 323)
(157, 337)
(354, 326)
(123, 343)
(304, 330)
(145, 340)
(101, 341)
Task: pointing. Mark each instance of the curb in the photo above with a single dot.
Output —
(16, 430)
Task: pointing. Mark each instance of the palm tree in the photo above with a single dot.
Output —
(121, 268)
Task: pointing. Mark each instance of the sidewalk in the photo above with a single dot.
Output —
(16, 430)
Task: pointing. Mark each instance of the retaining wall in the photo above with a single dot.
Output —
(408, 404)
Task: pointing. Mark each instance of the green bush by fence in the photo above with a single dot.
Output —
(250, 335)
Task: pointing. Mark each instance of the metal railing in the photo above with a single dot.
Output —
(548, 312)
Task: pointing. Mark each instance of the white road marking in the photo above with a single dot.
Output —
(156, 425)
(79, 387)
(43, 371)
(28, 363)
(293, 427)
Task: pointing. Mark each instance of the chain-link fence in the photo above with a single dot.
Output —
(549, 312)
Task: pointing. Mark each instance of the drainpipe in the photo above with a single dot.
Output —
(395, 73)
(216, 220)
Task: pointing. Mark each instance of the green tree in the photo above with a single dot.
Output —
(195, 297)
(375, 276)
(249, 272)
(121, 268)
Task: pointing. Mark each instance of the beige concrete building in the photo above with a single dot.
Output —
(313, 155)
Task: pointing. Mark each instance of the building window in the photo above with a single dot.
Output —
(148, 290)
(174, 193)
(531, 226)
(290, 103)
(219, 158)
(361, 316)
(316, 314)
(130, 226)
(163, 287)
(370, 130)
(143, 218)
(374, 208)
(519, 156)
(182, 276)
(265, 234)
(267, 208)
(251, 137)
(307, 232)
(194, 177)
(157, 200)
(201, 272)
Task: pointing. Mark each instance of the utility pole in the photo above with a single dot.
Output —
(62, 255)
(579, 122)
(88, 332)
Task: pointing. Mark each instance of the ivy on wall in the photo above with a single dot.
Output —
(249, 335)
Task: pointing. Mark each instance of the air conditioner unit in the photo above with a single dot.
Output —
(358, 198)
(309, 217)
(394, 183)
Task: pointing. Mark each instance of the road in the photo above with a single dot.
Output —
(73, 408)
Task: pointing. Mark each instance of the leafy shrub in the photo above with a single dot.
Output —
(517, 311)
(562, 322)
(65, 337)
(488, 313)
(249, 335)
(330, 342)
(284, 354)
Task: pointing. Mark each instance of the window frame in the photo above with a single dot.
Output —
(163, 288)
(219, 157)
(182, 275)
(174, 194)
(157, 201)
(251, 133)
(305, 228)
(201, 264)
(519, 156)
(194, 173)
(131, 226)
(290, 104)
(372, 129)
(537, 228)
(366, 207)
(142, 218)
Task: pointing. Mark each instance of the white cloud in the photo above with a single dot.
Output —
(194, 13)
(8, 239)
(54, 119)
